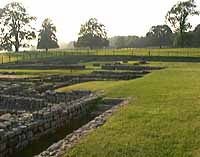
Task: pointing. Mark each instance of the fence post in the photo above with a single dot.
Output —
(9, 58)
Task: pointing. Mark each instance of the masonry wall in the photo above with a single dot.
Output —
(17, 131)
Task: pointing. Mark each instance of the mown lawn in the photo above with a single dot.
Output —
(161, 120)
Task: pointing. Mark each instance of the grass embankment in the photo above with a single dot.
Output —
(162, 119)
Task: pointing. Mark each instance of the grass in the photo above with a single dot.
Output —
(93, 86)
(162, 119)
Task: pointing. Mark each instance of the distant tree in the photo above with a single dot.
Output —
(93, 35)
(196, 36)
(47, 38)
(160, 35)
(178, 17)
(123, 41)
(15, 27)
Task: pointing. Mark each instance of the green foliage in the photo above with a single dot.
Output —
(93, 35)
(15, 27)
(178, 17)
(124, 41)
(159, 35)
(47, 38)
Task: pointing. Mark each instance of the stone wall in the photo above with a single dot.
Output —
(129, 67)
(15, 103)
(44, 66)
(18, 130)
(12, 103)
(60, 148)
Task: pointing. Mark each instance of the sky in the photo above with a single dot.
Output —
(121, 17)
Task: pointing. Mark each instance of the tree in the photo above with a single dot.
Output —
(196, 36)
(47, 38)
(93, 35)
(178, 17)
(159, 35)
(15, 27)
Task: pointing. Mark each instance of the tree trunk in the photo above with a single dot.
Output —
(182, 39)
(46, 49)
(16, 48)
(17, 42)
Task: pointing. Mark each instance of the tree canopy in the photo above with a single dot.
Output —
(159, 35)
(178, 17)
(47, 37)
(15, 27)
(93, 35)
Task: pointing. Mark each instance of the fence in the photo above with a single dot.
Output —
(33, 55)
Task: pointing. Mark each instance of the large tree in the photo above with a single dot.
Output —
(93, 35)
(178, 17)
(47, 37)
(159, 35)
(15, 27)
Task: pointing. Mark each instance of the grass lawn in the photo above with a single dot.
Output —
(161, 120)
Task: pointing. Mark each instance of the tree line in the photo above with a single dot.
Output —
(177, 34)
(16, 31)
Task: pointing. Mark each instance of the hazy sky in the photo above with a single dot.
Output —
(121, 17)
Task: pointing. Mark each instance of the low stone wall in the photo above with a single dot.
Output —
(96, 76)
(60, 148)
(118, 75)
(43, 66)
(15, 103)
(54, 97)
(10, 103)
(18, 130)
(129, 67)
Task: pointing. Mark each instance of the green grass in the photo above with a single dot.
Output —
(93, 86)
(161, 120)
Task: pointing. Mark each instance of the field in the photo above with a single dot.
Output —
(162, 117)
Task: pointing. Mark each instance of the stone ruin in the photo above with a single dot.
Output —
(129, 67)
(30, 108)
(23, 119)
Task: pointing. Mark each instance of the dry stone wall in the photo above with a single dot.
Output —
(19, 129)
(129, 67)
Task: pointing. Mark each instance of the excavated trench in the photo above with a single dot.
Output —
(38, 146)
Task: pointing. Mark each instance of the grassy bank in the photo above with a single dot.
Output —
(161, 120)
